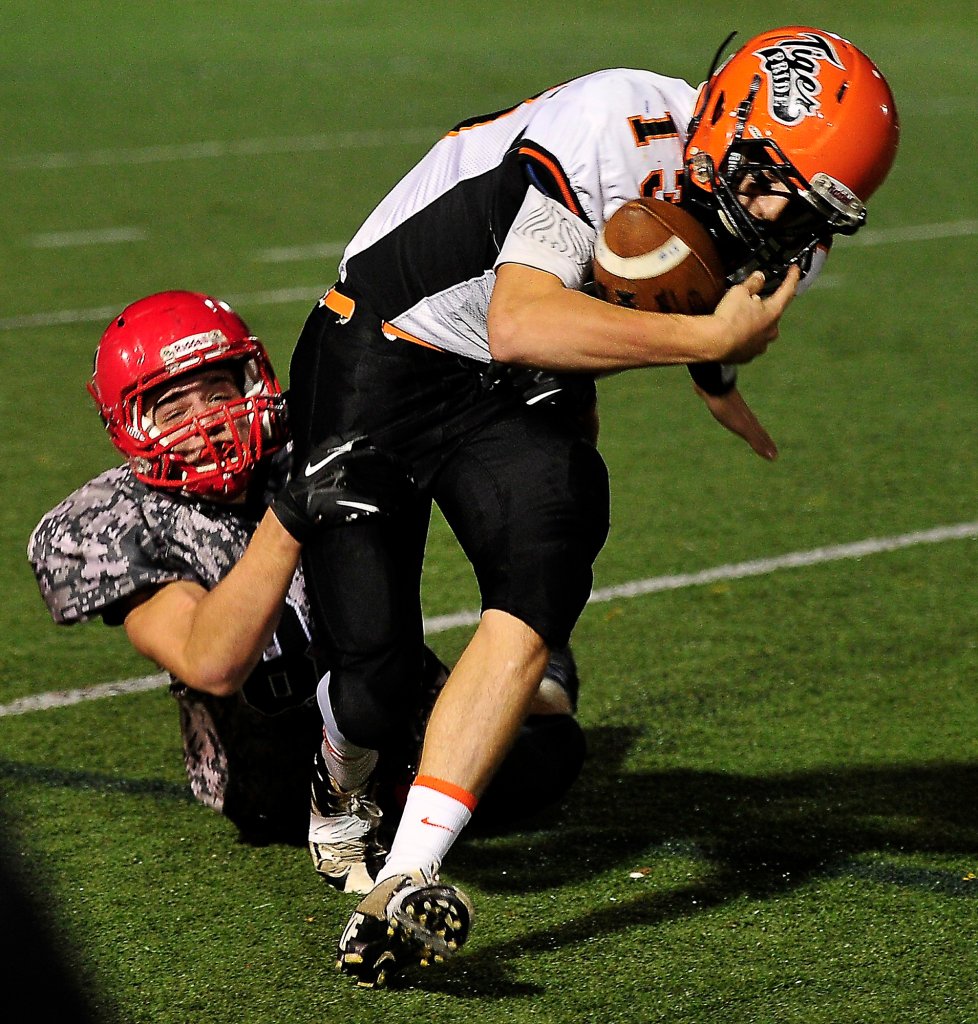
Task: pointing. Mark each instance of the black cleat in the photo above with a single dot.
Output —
(404, 921)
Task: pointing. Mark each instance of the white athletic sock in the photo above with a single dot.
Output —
(435, 812)
(348, 764)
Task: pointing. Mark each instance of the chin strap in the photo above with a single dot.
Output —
(743, 113)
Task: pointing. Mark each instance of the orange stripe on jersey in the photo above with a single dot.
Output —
(480, 120)
(463, 796)
(557, 172)
(342, 305)
(391, 331)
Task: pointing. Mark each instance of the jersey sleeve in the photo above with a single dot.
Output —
(94, 550)
(554, 228)
(591, 146)
(546, 236)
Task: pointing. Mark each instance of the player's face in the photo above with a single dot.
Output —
(200, 398)
(764, 197)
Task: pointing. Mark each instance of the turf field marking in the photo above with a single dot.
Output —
(917, 233)
(743, 570)
(218, 148)
(101, 314)
(623, 591)
(318, 251)
(65, 698)
(883, 236)
(99, 236)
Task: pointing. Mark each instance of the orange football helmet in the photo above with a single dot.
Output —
(805, 111)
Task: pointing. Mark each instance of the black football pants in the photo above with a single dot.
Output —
(524, 493)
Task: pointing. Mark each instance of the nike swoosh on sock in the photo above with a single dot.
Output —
(434, 824)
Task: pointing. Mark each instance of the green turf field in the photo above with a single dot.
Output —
(787, 762)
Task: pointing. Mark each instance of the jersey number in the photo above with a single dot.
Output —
(656, 186)
(646, 131)
(288, 674)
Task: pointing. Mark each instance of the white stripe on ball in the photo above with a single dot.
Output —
(658, 261)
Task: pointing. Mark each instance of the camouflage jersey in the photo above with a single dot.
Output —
(248, 755)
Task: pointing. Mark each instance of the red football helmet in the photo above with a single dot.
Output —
(159, 340)
(803, 109)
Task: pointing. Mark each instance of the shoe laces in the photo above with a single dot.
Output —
(355, 804)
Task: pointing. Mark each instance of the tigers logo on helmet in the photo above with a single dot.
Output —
(792, 68)
(799, 111)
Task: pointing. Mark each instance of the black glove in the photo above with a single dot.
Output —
(340, 484)
(573, 393)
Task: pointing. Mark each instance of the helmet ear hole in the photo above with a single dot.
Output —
(717, 109)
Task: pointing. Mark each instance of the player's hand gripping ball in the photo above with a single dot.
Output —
(654, 256)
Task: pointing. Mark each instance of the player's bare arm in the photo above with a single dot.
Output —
(212, 639)
(534, 320)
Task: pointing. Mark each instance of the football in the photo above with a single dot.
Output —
(654, 256)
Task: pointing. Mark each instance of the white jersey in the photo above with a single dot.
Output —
(531, 185)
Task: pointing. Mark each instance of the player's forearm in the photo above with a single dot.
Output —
(534, 320)
(578, 335)
(212, 639)
(537, 324)
(235, 621)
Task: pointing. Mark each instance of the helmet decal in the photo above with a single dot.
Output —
(188, 346)
(798, 111)
(792, 67)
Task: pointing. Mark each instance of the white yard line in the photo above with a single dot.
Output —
(101, 314)
(317, 251)
(883, 236)
(210, 149)
(915, 233)
(65, 698)
(623, 591)
(96, 236)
